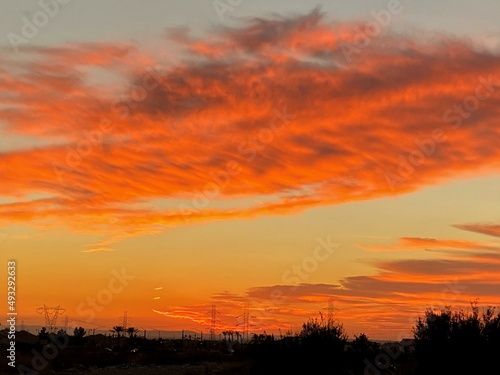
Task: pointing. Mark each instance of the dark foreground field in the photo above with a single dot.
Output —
(443, 343)
(263, 354)
(135, 369)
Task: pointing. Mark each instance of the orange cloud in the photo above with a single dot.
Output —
(383, 305)
(414, 243)
(269, 109)
(489, 229)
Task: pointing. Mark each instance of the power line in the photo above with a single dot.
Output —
(213, 322)
(331, 309)
(246, 321)
(51, 314)
(125, 320)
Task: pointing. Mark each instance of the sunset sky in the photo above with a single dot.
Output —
(162, 157)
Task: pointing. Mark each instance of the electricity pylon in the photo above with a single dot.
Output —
(51, 314)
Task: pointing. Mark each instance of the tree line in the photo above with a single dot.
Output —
(443, 342)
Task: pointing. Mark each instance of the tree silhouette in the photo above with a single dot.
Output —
(118, 330)
(362, 350)
(323, 330)
(457, 342)
(79, 332)
(238, 336)
(43, 334)
(322, 342)
(261, 339)
(131, 331)
(361, 344)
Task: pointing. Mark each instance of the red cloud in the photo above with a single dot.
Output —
(272, 108)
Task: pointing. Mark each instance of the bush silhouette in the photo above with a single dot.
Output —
(322, 343)
(78, 334)
(457, 342)
(362, 350)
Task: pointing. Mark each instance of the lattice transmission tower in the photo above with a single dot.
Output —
(246, 323)
(331, 309)
(51, 314)
(125, 320)
(213, 322)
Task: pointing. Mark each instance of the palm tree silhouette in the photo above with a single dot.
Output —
(132, 331)
(118, 330)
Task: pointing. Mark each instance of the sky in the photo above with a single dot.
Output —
(285, 158)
